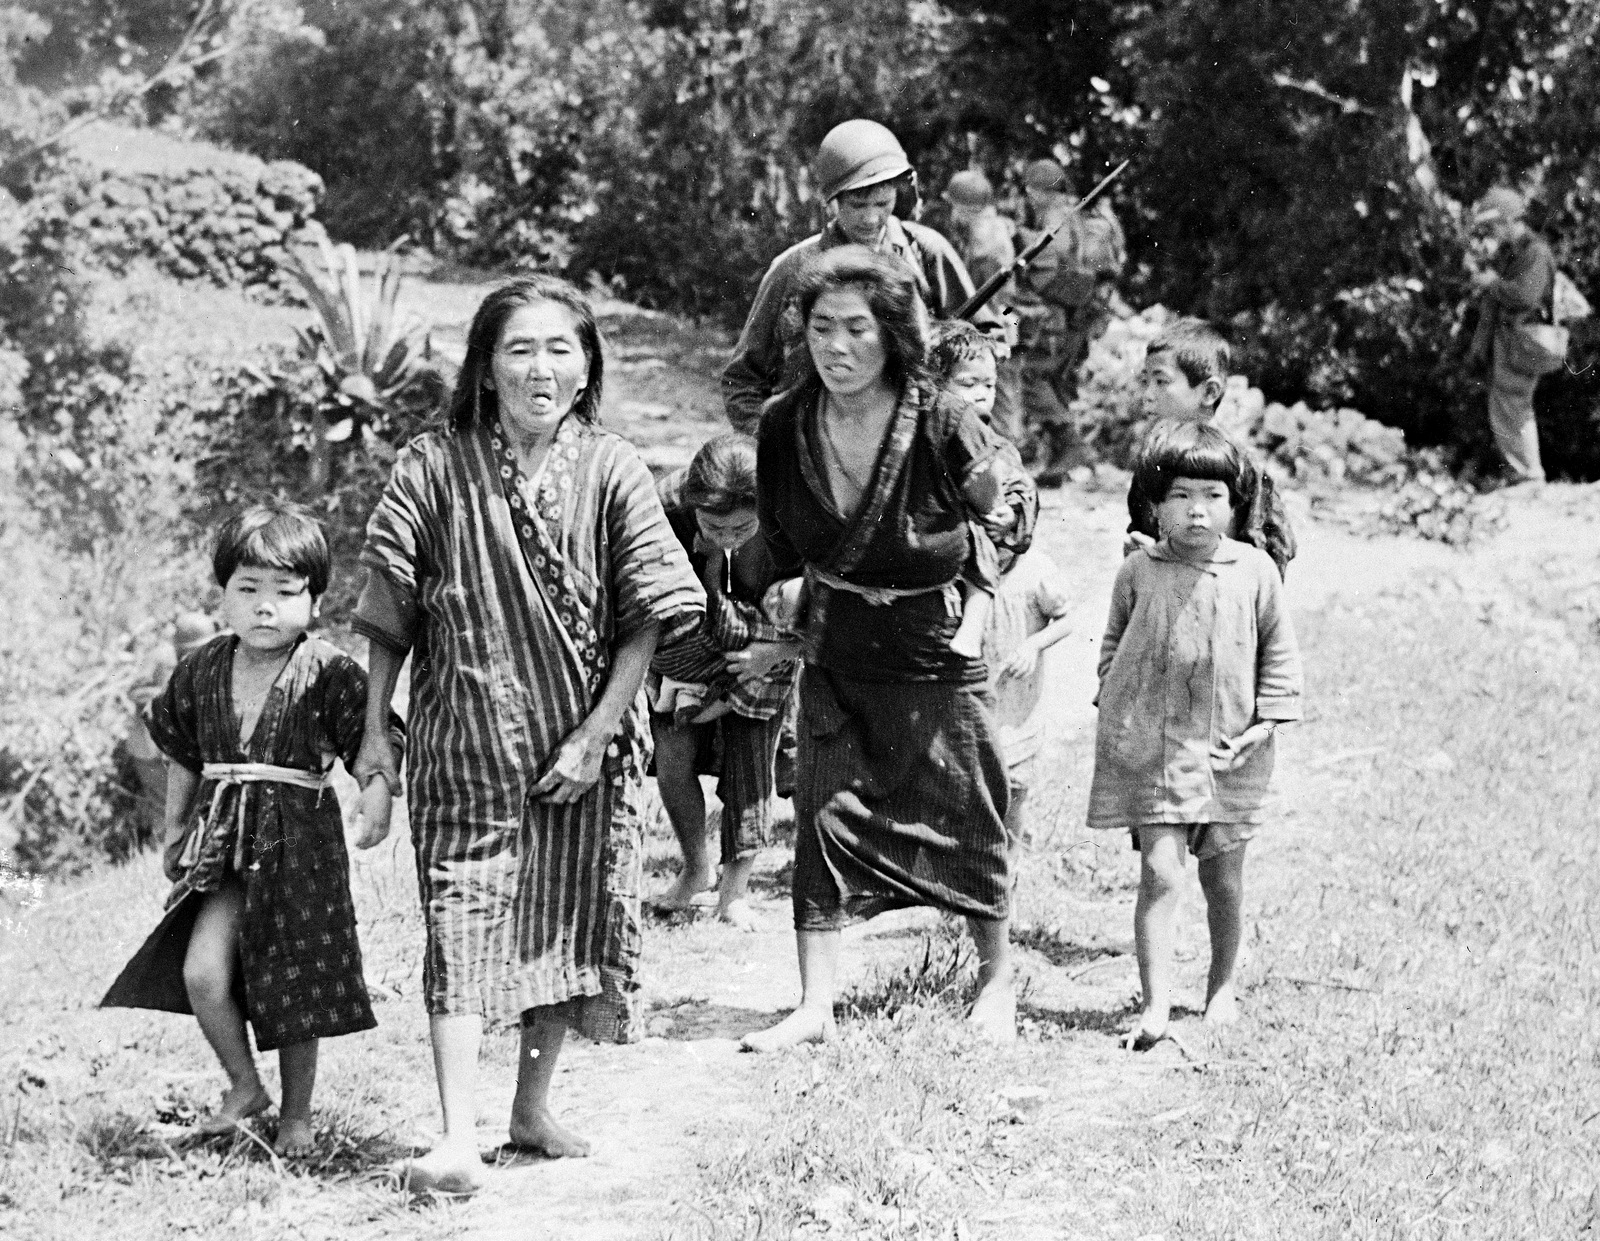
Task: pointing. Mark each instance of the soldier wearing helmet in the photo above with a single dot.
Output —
(860, 170)
(985, 240)
(1062, 303)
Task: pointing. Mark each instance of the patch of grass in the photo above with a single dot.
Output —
(1419, 1058)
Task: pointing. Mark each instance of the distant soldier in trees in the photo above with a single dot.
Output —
(860, 169)
(1062, 302)
(986, 241)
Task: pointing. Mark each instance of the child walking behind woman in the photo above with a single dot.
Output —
(259, 925)
(1198, 668)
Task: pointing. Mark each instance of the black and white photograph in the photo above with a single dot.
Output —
(674, 620)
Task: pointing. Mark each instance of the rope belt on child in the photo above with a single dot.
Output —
(241, 776)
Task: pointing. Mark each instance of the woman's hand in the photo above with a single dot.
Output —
(373, 815)
(1231, 752)
(571, 771)
(376, 758)
(758, 659)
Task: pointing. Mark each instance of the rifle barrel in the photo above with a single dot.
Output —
(991, 286)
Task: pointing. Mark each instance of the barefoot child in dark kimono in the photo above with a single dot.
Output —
(260, 925)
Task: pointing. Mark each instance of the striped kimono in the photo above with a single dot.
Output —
(512, 593)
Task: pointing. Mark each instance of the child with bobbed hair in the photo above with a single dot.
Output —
(260, 927)
(1198, 668)
(1184, 377)
(720, 702)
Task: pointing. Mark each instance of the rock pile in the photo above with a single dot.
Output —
(224, 217)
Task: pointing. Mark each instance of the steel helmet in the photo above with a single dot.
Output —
(1045, 174)
(969, 188)
(857, 154)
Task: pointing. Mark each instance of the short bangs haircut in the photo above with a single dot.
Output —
(1176, 450)
(955, 343)
(473, 402)
(722, 476)
(285, 537)
(1196, 348)
(891, 294)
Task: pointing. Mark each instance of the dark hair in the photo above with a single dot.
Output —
(472, 402)
(1174, 449)
(273, 536)
(1199, 350)
(722, 476)
(955, 342)
(892, 296)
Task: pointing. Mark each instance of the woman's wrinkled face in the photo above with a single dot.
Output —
(728, 532)
(539, 366)
(846, 342)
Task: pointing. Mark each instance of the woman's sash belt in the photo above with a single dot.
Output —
(241, 776)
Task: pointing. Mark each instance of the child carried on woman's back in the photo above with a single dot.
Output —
(1198, 668)
(259, 925)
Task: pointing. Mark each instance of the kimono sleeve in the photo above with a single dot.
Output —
(776, 475)
(1279, 679)
(652, 581)
(971, 447)
(342, 711)
(395, 553)
(173, 716)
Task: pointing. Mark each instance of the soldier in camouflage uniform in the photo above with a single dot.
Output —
(1062, 303)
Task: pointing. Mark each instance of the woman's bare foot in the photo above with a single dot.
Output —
(296, 1137)
(1222, 1009)
(804, 1025)
(680, 895)
(542, 1133)
(994, 1014)
(738, 913)
(1149, 1030)
(454, 1166)
(239, 1104)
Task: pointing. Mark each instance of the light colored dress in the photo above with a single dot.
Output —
(1193, 653)
(1028, 600)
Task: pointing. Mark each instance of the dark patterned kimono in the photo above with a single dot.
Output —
(901, 791)
(300, 960)
(512, 593)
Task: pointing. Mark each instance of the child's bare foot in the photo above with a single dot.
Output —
(680, 895)
(239, 1104)
(738, 913)
(542, 1133)
(454, 1166)
(295, 1137)
(994, 1014)
(1149, 1030)
(804, 1025)
(1222, 1009)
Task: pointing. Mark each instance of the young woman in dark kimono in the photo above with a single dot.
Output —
(260, 925)
(866, 484)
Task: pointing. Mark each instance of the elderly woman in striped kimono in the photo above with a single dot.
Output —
(522, 558)
(867, 479)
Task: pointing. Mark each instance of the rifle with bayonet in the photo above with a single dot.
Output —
(992, 285)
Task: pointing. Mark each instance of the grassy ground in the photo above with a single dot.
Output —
(1417, 1060)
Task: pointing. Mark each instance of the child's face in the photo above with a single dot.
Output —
(974, 381)
(1196, 515)
(728, 532)
(1165, 392)
(267, 608)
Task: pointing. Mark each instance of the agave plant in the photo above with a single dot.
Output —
(367, 353)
